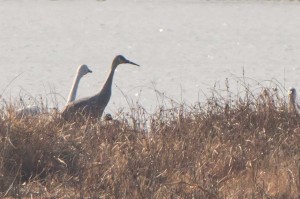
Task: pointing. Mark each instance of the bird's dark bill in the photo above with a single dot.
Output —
(130, 62)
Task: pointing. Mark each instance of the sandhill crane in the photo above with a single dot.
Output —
(94, 106)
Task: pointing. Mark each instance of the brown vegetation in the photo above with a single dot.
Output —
(246, 147)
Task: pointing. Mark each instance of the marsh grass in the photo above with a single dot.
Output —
(243, 145)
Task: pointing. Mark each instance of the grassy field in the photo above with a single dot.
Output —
(242, 146)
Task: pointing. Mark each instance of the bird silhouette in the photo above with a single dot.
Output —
(81, 71)
(32, 110)
(292, 96)
(94, 106)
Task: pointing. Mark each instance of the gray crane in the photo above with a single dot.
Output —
(94, 106)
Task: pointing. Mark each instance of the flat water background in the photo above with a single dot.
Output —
(184, 47)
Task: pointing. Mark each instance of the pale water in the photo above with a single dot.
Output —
(183, 46)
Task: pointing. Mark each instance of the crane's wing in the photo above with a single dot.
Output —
(88, 106)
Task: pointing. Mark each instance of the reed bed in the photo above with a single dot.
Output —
(241, 146)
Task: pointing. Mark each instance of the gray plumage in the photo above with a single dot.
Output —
(94, 106)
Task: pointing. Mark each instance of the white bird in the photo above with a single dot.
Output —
(81, 71)
(32, 110)
(29, 110)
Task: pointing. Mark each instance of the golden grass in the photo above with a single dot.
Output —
(246, 147)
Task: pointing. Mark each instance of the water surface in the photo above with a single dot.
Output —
(183, 47)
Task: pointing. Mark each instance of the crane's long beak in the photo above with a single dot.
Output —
(130, 62)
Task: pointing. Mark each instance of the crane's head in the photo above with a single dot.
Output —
(120, 59)
(83, 70)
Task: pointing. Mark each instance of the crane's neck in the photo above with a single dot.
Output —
(72, 94)
(106, 88)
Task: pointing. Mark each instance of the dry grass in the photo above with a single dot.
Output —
(246, 147)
